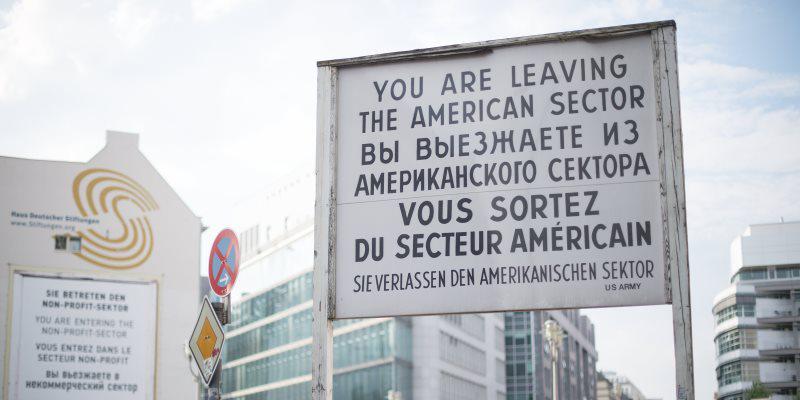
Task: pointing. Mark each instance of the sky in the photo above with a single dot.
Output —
(226, 90)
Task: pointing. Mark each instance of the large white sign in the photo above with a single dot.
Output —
(82, 339)
(521, 177)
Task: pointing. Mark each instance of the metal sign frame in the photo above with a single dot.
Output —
(673, 199)
(205, 309)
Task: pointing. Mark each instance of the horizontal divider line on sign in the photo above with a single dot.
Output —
(422, 196)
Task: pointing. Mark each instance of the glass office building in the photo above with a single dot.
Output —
(757, 318)
(528, 366)
(268, 349)
(267, 352)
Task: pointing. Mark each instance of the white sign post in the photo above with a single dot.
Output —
(541, 172)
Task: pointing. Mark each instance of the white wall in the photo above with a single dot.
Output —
(46, 187)
(770, 308)
(428, 365)
(773, 340)
(767, 244)
(777, 372)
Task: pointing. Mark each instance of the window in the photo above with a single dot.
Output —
(472, 324)
(737, 371)
(750, 274)
(728, 341)
(367, 384)
(459, 353)
(273, 301)
(729, 373)
(500, 371)
(454, 388)
(292, 328)
(249, 240)
(499, 336)
(74, 244)
(60, 242)
(787, 272)
(736, 310)
(352, 348)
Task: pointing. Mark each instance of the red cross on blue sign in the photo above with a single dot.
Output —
(223, 263)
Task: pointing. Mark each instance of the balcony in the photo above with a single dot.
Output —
(779, 375)
(733, 323)
(766, 307)
(778, 319)
(740, 354)
(776, 311)
(777, 343)
(774, 340)
(783, 351)
(733, 388)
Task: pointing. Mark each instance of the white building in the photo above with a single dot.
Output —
(757, 318)
(99, 281)
(622, 388)
(267, 350)
(459, 357)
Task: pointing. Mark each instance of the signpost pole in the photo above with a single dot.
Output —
(324, 238)
(208, 336)
(222, 310)
(674, 206)
(214, 391)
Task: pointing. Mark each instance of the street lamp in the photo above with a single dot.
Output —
(554, 336)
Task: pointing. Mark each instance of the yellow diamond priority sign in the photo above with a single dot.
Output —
(206, 341)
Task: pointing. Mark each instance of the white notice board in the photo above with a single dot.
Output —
(82, 339)
(530, 173)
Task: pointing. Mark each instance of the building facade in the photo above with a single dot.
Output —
(528, 367)
(100, 275)
(605, 388)
(613, 386)
(459, 357)
(757, 318)
(267, 352)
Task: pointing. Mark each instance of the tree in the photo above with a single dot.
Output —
(757, 391)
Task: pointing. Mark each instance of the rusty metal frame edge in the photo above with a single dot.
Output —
(487, 46)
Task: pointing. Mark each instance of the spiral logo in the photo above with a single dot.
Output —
(100, 192)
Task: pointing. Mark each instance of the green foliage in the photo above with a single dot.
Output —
(757, 391)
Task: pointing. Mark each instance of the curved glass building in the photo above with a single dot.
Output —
(757, 318)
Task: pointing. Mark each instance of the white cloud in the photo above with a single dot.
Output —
(714, 81)
(547, 16)
(133, 20)
(46, 44)
(23, 46)
(732, 138)
(240, 93)
(208, 10)
(739, 120)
